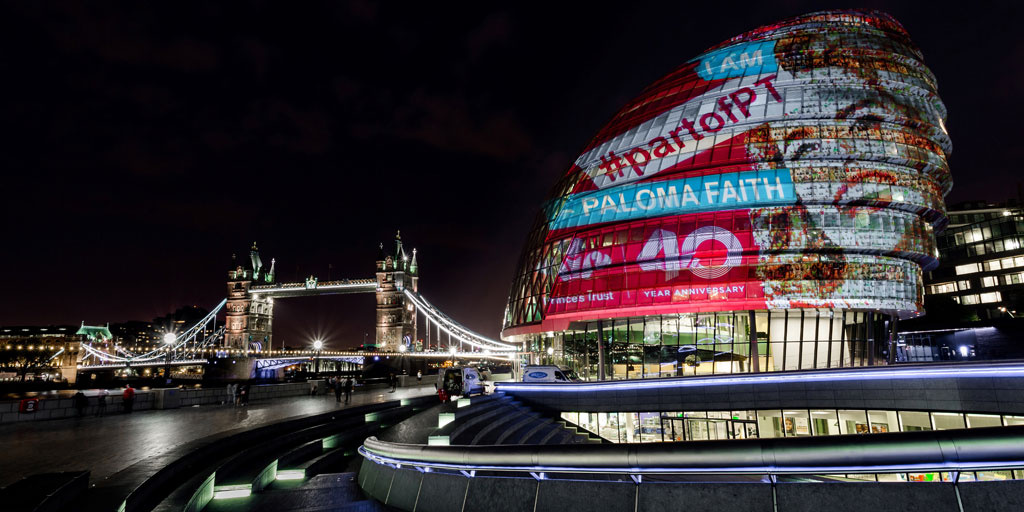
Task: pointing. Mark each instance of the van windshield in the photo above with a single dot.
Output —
(570, 375)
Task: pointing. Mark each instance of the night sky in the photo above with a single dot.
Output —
(147, 142)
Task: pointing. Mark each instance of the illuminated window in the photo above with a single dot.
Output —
(968, 299)
(989, 281)
(991, 297)
(943, 287)
(967, 269)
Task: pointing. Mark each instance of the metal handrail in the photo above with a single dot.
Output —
(987, 448)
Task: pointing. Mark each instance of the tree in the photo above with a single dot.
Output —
(23, 361)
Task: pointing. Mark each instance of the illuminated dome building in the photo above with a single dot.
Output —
(769, 205)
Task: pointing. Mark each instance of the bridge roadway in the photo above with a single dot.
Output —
(135, 442)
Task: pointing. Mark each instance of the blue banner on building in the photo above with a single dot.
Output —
(740, 60)
(734, 190)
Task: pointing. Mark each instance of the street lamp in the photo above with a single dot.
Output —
(169, 339)
(318, 345)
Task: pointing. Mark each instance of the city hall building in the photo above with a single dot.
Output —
(725, 264)
(770, 205)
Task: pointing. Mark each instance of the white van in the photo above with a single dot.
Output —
(461, 381)
(551, 373)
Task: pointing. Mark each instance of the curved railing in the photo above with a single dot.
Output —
(988, 449)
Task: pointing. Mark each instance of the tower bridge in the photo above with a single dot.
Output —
(246, 330)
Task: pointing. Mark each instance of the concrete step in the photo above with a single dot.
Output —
(326, 492)
(44, 492)
(466, 414)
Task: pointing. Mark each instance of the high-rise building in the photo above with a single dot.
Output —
(981, 275)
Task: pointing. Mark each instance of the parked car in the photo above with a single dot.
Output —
(459, 381)
(548, 373)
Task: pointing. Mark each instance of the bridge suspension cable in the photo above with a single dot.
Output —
(186, 344)
(454, 329)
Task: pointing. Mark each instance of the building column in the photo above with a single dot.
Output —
(893, 325)
(754, 361)
(871, 337)
(600, 350)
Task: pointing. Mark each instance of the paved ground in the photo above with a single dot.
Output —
(112, 443)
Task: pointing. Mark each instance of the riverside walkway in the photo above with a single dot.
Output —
(113, 443)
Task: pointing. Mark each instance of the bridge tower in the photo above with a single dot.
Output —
(396, 316)
(249, 316)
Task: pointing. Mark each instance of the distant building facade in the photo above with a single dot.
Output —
(981, 271)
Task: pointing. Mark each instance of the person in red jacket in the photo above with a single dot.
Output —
(128, 398)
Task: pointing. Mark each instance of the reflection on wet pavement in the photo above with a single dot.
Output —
(111, 443)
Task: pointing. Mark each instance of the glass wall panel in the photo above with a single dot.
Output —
(769, 423)
(649, 428)
(687, 351)
(794, 329)
(1013, 420)
(777, 339)
(673, 423)
(825, 423)
(796, 423)
(995, 475)
(983, 420)
(634, 362)
(629, 424)
(883, 421)
(912, 421)
(853, 422)
(947, 420)
(761, 330)
(571, 417)
(617, 352)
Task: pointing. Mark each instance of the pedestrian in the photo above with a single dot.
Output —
(312, 388)
(348, 390)
(337, 390)
(393, 380)
(244, 394)
(128, 398)
(81, 402)
(101, 402)
(419, 376)
(231, 393)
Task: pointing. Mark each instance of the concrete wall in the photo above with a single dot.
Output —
(56, 408)
(408, 489)
(994, 395)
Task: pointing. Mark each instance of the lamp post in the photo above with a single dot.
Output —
(168, 342)
(318, 345)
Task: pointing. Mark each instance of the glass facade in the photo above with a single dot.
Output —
(768, 206)
(685, 344)
(676, 426)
